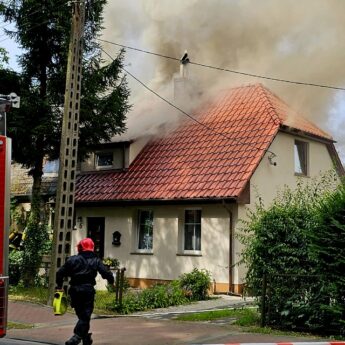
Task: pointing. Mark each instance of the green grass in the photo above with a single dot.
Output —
(243, 317)
(103, 302)
(103, 299)
(17, 325)
(34, 294)
(246, 319)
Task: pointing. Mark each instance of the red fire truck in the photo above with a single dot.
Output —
(5, 163)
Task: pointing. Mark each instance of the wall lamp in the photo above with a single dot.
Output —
(271, 157)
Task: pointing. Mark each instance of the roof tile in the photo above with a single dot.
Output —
(196, 162)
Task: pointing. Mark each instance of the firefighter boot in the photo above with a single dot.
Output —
(74, 340)
(88, 340)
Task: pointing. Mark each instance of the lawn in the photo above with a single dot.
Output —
(103, 300)
(240, 317)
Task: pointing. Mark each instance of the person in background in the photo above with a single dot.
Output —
(82, 269)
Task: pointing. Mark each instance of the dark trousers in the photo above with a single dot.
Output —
(82, 300)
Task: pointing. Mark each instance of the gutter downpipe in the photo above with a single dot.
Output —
(231, 246)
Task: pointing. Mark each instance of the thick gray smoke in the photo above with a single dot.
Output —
(288, 39)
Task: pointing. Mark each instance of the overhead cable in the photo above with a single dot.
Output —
(181, 110)
(228, 70)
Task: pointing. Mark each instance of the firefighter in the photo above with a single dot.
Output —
(82, 269)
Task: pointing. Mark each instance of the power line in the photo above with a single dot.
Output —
(228, 70)
(181, 110)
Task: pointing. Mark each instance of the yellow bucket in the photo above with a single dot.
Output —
(60, 303)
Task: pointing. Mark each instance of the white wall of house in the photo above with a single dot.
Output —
(268, 179)
(167, 261)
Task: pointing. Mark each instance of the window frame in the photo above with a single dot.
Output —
(104, 167)
(301, 158)
(183, 232)
(138, 228)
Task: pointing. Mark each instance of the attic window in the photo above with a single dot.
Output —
(104, 160)
(301, 158)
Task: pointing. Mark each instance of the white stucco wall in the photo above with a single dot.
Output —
(165, 262)
(269, 179)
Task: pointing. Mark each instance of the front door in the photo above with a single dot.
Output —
(95, 230)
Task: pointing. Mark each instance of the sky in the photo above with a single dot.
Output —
(287, 39)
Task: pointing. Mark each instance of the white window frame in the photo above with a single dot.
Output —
(301, 158)
(183, 233)
(102, 167)
(138, 227)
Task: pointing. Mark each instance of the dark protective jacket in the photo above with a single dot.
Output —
(82, 269)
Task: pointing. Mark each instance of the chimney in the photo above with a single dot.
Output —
(182, 87)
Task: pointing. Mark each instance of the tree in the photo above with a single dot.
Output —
(42, 30)
(3, 57)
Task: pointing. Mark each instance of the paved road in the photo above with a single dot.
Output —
(154, 328)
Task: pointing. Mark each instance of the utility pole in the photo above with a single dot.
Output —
(64, 209)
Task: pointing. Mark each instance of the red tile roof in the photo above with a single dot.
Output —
(197, 162)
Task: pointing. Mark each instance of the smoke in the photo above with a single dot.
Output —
(293, 40)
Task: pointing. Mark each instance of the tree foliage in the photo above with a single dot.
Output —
(289, 256)
(328, 251)
(42, 30)
(3, 57)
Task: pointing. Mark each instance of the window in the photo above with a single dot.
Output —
(192, 230)
(104, 160)
(145, 230)
(301, 158)
(51, 167)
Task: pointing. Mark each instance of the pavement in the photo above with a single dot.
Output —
(156, 327)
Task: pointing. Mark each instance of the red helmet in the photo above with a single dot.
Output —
(85, 244)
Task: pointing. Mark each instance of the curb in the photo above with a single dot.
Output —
(289, 343)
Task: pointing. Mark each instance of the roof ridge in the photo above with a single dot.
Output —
(271, 97)
(266, 93)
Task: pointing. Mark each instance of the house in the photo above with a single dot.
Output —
(173, 203)
(21, 189)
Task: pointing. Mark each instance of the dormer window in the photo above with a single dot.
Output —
(104, 160)
(109, 156)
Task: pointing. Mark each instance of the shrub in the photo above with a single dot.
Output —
(158, 296)
(14, 267)
(328, 250)
(196, 284)
(278, 245)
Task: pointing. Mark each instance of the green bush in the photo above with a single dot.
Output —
(327, 247)
(293, 243)
(158, 296)
(14, 266)
(196, 284)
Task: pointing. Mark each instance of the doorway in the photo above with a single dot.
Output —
(95, 230)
